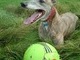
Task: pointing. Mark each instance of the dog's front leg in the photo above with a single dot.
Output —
(58, 40)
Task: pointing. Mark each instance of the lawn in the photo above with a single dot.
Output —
(15, 37)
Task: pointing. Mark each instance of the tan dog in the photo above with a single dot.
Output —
(52, 25)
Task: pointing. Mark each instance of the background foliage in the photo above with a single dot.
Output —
(15, 37)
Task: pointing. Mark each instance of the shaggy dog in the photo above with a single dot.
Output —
(53, 25)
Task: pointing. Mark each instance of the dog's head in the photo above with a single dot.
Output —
(42, 9)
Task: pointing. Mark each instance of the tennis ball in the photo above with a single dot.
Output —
(41, 51)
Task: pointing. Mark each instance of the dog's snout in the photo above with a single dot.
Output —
(23, 5)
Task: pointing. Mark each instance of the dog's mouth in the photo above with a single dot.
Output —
(35, 16)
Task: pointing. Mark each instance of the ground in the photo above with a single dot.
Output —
(15, 37)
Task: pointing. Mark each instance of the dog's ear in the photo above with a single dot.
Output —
(53, 1)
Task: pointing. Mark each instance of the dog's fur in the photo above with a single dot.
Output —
(59, 27)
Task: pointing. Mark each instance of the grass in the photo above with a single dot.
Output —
(15, 37)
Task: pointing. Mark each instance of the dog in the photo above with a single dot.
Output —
(53, 25)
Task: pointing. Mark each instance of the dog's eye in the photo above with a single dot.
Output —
(41, 1)
(54, 1)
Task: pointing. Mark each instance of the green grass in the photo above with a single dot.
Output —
(15, 37)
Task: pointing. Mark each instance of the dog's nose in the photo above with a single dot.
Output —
(23, 5)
